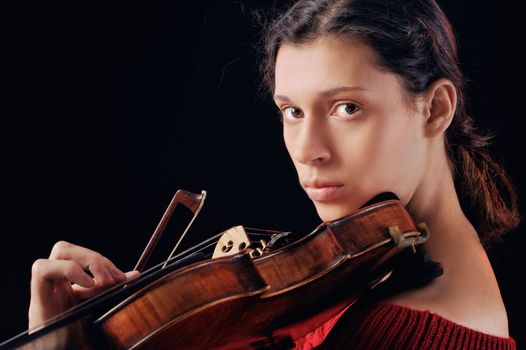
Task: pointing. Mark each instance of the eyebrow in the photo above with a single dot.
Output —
(327, 93)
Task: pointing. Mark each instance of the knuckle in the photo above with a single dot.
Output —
(106, 261)
(60, 247)
(102, 261)
(99, 257)
(38, 266)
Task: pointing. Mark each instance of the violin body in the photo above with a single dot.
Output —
(244, 302)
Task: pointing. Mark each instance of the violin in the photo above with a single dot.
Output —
(242, 289)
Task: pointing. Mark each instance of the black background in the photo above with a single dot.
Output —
(108, 109)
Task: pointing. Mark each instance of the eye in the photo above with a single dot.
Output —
(347, 109)
(291, 113)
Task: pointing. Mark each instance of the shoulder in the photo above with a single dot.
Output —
(484, 317)
(467, 295)
(385, 325)
(462, 308)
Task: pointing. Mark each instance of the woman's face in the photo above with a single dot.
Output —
(348, 125)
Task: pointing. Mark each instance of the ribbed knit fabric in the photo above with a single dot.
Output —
(372, 324)
(390, 326)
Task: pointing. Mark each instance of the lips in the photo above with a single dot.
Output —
(321, 190)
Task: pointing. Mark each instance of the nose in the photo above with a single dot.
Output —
(309, 142)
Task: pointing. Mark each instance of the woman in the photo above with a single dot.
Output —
(371, 98)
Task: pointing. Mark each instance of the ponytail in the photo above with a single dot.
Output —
(486, 192)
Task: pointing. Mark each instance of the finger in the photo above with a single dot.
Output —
(85, 293)
(82, 293)
(132, 275)
(51, 291)
(63, 250)
(44, 270)
(105, 273)
(118, 275)
(102, 269)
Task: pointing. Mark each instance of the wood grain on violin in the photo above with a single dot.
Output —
(244, 300)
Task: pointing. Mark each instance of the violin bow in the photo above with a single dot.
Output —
(194, 202)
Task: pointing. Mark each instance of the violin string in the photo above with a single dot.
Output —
(108, 293)
(184, 254)
(201, 246)
(261, 231)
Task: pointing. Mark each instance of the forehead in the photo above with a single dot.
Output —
(327, 62)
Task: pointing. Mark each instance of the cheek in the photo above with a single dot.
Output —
(384, 155)
(289, 137)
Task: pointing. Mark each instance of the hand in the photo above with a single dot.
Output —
(62, 281)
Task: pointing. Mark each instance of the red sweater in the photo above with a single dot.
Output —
(390, 326)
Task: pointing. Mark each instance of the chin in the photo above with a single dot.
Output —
(328, 212)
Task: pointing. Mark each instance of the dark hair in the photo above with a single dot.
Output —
(415, 40)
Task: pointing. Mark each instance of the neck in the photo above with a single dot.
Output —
(435, 202)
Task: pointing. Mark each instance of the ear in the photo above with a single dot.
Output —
(440, 105)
